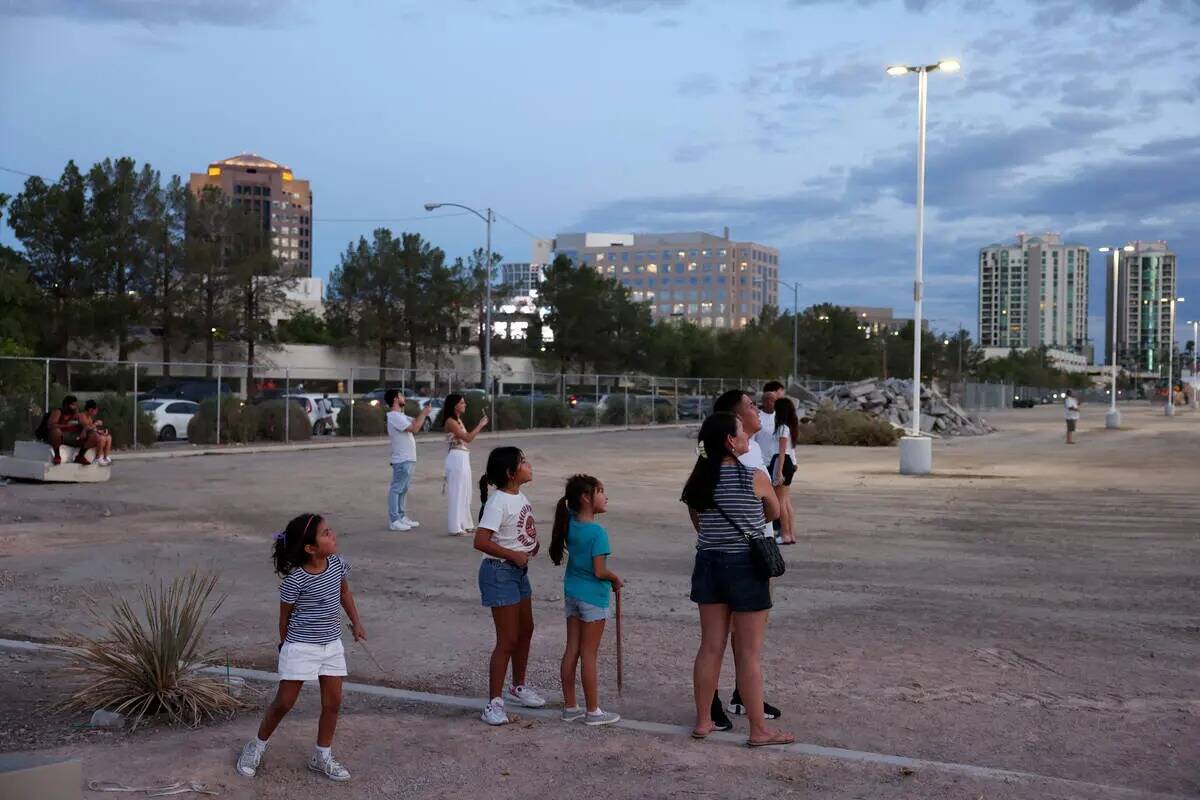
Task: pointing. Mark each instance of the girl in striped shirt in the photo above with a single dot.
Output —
(312, 594)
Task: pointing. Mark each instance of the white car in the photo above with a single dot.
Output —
(435, 404)
(321, 414)
(171, 417)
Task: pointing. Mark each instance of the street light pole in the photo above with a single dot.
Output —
(795, 287)
(486, 356)
(916, 451)
(1169, 410)
(1113, 418)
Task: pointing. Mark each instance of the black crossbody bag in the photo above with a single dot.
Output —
(768, 561)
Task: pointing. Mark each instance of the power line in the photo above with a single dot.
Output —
(17, 172)
(523, 230)
(389, 219)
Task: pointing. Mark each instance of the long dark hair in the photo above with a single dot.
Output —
(577, 487)
(448, 408)
(502, 465)
(785, 414)
(288, 553)
(698, 491)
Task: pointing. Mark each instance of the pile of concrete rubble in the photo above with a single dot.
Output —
(891, 399)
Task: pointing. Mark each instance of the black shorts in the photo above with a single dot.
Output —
(729, 579)
(1071, 425)
(789, 469)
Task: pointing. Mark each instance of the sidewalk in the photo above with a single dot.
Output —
(372, 441)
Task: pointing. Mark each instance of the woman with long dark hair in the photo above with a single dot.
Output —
(458, 465)
(729, 504)
(783, 465)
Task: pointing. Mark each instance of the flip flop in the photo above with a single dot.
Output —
(774, 741)
(698, 735)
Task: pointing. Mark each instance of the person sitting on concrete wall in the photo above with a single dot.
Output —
(65, 426)
(91, 420)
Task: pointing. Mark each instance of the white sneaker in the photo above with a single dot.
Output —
(250, 758)
(525, 696)
(104, 461)
(399, 525)
(412, 523)
(600, 718)
(494, 714)
(329, 767)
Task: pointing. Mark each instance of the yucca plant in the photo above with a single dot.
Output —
(149, 660)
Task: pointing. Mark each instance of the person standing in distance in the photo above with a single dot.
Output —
(400, 428)
(772, 391)
(1072, 408)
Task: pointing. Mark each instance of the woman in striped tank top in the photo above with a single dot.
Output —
(729, 504)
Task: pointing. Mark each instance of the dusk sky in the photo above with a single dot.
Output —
(773, 117)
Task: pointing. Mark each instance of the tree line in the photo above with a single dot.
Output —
(112, 252)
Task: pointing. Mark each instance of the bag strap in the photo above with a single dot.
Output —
(729, 519)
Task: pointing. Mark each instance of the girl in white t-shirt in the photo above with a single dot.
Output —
(783, 465)
(507, 537)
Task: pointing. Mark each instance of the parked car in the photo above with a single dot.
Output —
(192, 389)
(320, 412)
(693, 406)
(171, 417)
(435, 404)
(1023, 402)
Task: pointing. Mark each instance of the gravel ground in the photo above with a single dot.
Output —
(1030, 607)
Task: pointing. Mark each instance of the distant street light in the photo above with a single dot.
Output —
(1195, 386)
(1169, 410)
(916, 451)
(486, 359)
(1113, 418)
(795, 287)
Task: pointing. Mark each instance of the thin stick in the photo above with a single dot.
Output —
(371, 655)
(620, 650)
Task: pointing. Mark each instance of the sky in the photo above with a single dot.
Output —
(774, 117)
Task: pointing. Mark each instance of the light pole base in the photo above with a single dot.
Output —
(1169, 409)
(1112, 419)
(916, 455)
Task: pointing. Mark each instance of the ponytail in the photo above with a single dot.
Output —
(502, 465)
(578, 486)
(288, 551)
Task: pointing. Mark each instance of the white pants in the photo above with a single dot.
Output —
(458, 491)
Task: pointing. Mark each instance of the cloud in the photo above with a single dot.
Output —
(698, 84)
(623, 6)
(693, 153)
(224, 13)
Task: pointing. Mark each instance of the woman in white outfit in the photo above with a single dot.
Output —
(458, 465)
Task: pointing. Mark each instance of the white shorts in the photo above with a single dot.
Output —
(299, 661)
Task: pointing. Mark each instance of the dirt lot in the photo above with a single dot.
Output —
(1031, 607)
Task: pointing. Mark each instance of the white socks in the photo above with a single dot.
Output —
(323, 753)
(259, 744)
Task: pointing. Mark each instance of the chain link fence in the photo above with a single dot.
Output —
(150, 403)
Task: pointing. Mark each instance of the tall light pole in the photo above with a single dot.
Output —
(1113, 418)
(1169, 410)
(1195, 323)
(916, 451)
(795, 287)
(486, 356)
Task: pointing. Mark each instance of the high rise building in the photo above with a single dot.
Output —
(521, 278)
(270, 191)
(1144, 314)
(1034, 292)
(710, 280)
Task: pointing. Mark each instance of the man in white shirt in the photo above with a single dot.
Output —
(1072, 408)
(767, 441)
(400, 428)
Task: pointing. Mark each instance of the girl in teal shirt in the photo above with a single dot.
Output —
(586, 589)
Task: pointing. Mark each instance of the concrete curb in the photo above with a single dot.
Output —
(376, 441)
(474, 704)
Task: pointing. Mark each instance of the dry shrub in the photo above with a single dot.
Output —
(369, 420)
(149, 659)
(853, 428)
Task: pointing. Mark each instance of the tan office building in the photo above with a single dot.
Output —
(712, 281)
(271, 191)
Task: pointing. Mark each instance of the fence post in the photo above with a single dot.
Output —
(135, 405)
(626, 382)
(218, 403)
(352, 404)
(676, 401)
(596, 401)
(287, 410)
(46, 407)
(450, 383)
(653, 400)
(532, 381)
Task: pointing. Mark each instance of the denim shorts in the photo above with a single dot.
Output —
(587, 612)
(503, 583)
(729, 579)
